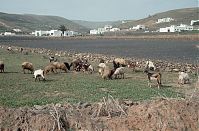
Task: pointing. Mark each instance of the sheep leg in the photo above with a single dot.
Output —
(183, 82)
(158, 86)
(149, 81)
(149, 84)
(158, 81)
(115, 76)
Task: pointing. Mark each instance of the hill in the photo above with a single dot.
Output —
(95, 24)
(28, 23)
(183, 16)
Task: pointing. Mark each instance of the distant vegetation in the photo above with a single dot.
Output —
(62, 28)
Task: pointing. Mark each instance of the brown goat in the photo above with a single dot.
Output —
(28, 66)
(118, 62)
(77, 64)
(60, 66)
(154, 76)
(107, 73)
(49, 68)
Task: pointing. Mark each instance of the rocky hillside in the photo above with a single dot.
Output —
(180, 16)
(95, 24)
(30, 23)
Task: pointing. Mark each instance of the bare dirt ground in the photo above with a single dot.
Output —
(108, 115)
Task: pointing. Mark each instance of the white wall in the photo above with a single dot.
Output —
(41, 33)
(93, 32)
(114, 29)
(9, 33)
(70, 33)
(174, 28)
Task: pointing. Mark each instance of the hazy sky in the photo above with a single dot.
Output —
(94, 10)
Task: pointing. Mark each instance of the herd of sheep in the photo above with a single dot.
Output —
(106, 72)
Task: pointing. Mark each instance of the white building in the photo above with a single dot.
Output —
(174, 28)
(98, 31)
(123, 22)
(138, 27)
(9, 33)
(185, 27)
(114, 29)
(194, 21)
(17, 30)
(70, 33)
(168, 29)
(107, 27)
(41, 33)
(55, 33)
(163, 20)
(101, 30)
(93, 32)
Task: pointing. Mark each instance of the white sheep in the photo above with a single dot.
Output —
(183, 78)
(9, 48)
(119, 71)
(90, 69)
(39, 73)
(101, 67)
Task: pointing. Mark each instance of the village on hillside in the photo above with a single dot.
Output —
(111, 29)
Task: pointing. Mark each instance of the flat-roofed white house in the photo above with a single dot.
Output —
(55, 33)
(185, 27)
(70, 33)
(174, 28)
(108, 27)
(93, 32)
(41, 33)
(169, 29)
(114, 29)
(9, 33)
(97, 31)
(163, 20)
(101, 30)
(138, 27)
(17, 30)
(194, 22)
